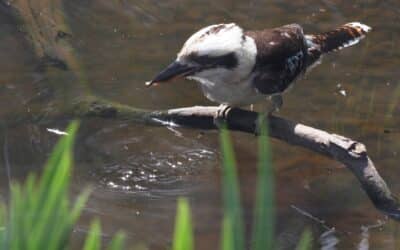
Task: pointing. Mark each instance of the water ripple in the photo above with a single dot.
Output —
(168, 169)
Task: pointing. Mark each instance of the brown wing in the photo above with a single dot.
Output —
(281, 55)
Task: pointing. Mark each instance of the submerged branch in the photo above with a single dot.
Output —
(350, 153)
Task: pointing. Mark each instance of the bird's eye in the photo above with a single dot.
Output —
(228, 61)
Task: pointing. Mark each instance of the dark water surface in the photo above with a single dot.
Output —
(138, 172)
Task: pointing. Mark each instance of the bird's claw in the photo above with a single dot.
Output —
(221, 115)
(277, 103)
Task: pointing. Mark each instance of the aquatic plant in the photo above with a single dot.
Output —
(40, 215)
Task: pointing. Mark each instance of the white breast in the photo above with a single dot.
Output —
(232, 94)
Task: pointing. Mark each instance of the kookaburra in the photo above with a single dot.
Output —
(236, 67)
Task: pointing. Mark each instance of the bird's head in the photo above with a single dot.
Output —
(217, 53)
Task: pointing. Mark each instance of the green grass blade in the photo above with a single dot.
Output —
(93, 241)
(2, 217)
(231, 196)
(183, 236)
(16, 222)
(228, 241)
(2, 226)
(79, 205)
(305, 242)
(59, 155)
(117, 242)
(264, 213)
(58, 234)
(52, 193)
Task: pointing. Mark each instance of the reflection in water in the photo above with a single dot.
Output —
(138, 172)
(308, 215)
(364, 243)
(328, 240)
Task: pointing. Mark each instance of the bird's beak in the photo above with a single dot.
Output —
(173, 70)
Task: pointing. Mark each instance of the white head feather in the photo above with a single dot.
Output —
(214, 40)
(218, 40)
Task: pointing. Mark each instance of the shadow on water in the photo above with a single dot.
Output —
(137, 172)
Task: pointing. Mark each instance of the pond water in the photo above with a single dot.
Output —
(137, 172)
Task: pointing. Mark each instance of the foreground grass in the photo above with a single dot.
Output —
(40, 216)
(233, 235)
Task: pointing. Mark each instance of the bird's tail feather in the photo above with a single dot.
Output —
(342, 37)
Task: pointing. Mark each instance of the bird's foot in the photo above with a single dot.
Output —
(221, 115)
(277, 102)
